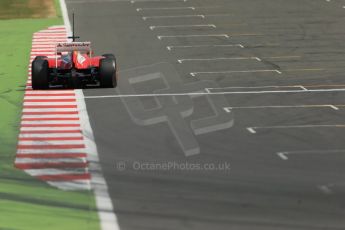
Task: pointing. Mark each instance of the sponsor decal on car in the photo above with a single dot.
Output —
(81, 59)
(70, 46)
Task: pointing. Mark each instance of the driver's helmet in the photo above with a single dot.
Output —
(66, 57)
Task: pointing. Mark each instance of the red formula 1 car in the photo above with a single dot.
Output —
(74, 64)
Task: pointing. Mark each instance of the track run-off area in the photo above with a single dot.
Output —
(51, 145)
(56, 143)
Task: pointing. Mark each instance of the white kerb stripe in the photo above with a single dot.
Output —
(48, 160)
(48, 128)
(50, 122)
(71, 185)
(51, 92)
(48, 135)
(67, 142)
(48, 97)
(49, 103)
(50, 110)
(40, 172)
(47, 151)
(50, 116)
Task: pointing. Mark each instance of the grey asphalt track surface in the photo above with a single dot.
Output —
(286, 163)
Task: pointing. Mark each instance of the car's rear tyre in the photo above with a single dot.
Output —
(40, 57)
(40, 74)
(107, 73)
(112, 56)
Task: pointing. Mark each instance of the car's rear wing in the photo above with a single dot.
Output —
(73, 46)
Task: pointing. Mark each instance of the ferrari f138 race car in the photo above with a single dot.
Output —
(74, 64)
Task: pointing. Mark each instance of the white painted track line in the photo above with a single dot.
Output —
(202, 16)
(255, 129)
(325, 189)
(174, 16)
(139, 1)
(283, 57)
(166, 8)
(160, 37)
(257, 87)
(202, 46)
(217, 59)
(193, 74)
(251, 130)
(228, 109)
(284, 155)
(217, 93)
(183, 26)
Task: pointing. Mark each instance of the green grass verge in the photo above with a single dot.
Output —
(15, 9)
(26, 203)
(58, 8)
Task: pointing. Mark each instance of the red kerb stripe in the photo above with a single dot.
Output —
(51, 155)
(51, 146)
(51, 113)
(49, 106)
(50, 100)
(49, 94)
(51, 119)
(50, 125)
(65, 177)
(49, 131)
(51, 138)
(51, 165)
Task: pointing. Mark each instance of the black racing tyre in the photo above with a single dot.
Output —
(40, 74)
(112, 56)
(107, 73)
(40, 57)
